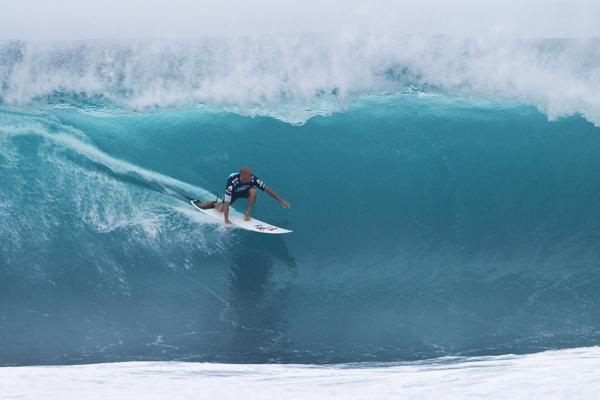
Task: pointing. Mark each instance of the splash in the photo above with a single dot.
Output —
(296, 77)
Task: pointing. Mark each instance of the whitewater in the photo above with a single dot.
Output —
(445, 187)
(549, 375)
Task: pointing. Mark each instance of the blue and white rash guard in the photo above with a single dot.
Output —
(235, 189)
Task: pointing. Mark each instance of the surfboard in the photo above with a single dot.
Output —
(237, 219)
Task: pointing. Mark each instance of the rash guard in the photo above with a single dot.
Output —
(235, 189)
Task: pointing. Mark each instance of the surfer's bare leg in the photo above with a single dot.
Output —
(251, 201)
(205, 205)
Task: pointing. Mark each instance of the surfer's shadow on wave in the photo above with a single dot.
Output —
(260, 276)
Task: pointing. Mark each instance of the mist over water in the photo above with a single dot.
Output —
(293, 78)
(147, 19)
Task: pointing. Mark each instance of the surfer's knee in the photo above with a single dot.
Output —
(252, 192)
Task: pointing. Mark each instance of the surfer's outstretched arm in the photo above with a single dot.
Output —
(284, 203)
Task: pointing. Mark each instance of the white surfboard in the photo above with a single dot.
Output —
(237, 219)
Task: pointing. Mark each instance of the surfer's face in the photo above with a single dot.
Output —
(245, 176)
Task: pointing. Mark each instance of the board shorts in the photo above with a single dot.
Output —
(239, 195)
(242, 195)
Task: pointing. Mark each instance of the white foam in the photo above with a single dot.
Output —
(295, 77)
(103, 202)
(562, 374)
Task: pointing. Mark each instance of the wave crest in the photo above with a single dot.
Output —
(295, 77)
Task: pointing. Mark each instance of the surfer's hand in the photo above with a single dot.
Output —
(285, 204)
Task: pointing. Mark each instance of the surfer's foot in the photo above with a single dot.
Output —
(205, 205)
(247, 216)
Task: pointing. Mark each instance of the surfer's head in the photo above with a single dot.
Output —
(245, 174)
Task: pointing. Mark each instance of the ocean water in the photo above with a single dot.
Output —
(445, 199)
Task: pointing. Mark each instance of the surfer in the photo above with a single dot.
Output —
(241, 184)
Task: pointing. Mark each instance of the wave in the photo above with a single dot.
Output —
(296, 77)
(424, 226)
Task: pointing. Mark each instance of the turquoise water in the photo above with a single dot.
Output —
(425, 224)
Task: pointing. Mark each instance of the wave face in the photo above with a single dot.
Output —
(425, 224)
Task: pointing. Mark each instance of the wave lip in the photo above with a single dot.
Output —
(295, 77)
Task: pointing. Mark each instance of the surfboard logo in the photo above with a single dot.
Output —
(266, 228)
